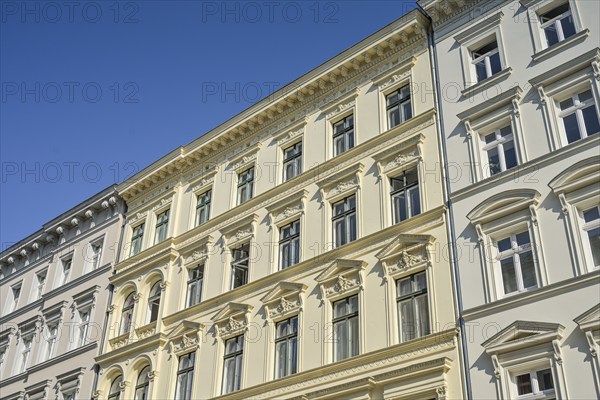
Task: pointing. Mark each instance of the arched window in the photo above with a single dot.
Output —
(115, 388)
(154, 302)
(127, 313)
(141, 386)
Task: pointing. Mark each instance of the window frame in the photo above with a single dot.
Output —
(144, 385)
(137, 239)
(347, 213)
(115, 384)
(64, 261)
(202, 205)
(587, 226)
(235, 264)
(347, 133)
(498, 144)
(345, 319)
(295, 160)
(238, 356)
(154, 300)
(532, 372)
(25, 352)
(400, 103)
(128, 309)
(197, 282)
(406, 189)
(576, 109)
(286, 340)
(514, 253)
(412, 297)
(188, 372)
(290, 240)
(161, 227)
(247, 183)
(51, 340)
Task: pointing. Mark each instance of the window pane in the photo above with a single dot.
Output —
(551, 34)
(504, 245)
(594, 237)
(510, 156)
(404, 287)
(422, 314)
(339, 233)
(340, 340)
(571, 128)
(353, 304)
(480, 70)
(528, 269)
(399, 207)
(353, 337)
(544, 379)
(568, 27)
(415, 204)
(494, 161)
(281, 357)
(590, 118)
(292, 356)
(591, 214)
(351, 227)
(524, 384)
(523, 238)
(407, 320)
(339, 308)
(420, 281)
(495, 63)
(509, 278)
(394, 116)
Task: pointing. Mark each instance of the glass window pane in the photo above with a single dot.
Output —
(353, 304)
(568, 27)
(422, 313)
(340, 341)
(353, 337)
(494, 161)
(415, 204)
(504, 245)
(591, 214)
(590, 117)
(420, 281)
(407, 320)
(495, 63)
(404, 287)
(544, 379)
(394, 116)
(528, 269)
(339, 308)
(594, 238)
(510, 156)
(571, 128)
(480, 71)
(566, 104)
(509, 278)
(351, 227)
(524, 384)
(551, 34)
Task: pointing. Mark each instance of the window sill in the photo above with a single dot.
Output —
(560, 46)
(486, 83)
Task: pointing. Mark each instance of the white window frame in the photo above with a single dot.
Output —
(588, 226)
(84, 325)
(200, 266)
(25, 353)
(284, 139)
(38, 289)
(93, 259)
(51, 340)
(296, 160)
(532, 371)
(498, 145)
(206, 206)
(13, 303)
(576, 109)
(157, 214)
(241, 232)
(513, 253)
(135, 236)
(474, 37)
(64, 278)
(335, 112)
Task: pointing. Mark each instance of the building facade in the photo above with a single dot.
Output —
(55, 294)
(519, 88)
(296, 251)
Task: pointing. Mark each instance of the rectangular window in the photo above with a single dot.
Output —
(25, 353)
(96, 250)
(286, 347)
(41, 283)
(536, 382)
(500, 150)
(203, 208)
(185, 376)
(245, 187)
(591, 227)
(84, 324)
(292, 161)
(52, 332)
(486, 60)
(66, 269)
(136, 239)
(579, 116)
(232, 366)
(343, 135)
(517, 268)
(344, 221)
(16, 292)
(289, 245)
(3, 351)
(413, 306)
(194, 285)
(406, 202)
(398, 106)
(239, 265)
(162, 226)
(557, 24)
(345, 328)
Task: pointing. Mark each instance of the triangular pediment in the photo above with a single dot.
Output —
(404, 242)
(589, 319)
(523, 334)
(231, 310)
(340, 267)
(184, 327)
(283, 289)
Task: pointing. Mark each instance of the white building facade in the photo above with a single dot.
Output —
(54, 297)
(297, 250)
(519, 89)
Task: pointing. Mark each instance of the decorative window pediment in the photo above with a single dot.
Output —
(589, 323)
(523, 334)
(197, 252)
(185, 337)
(246, 158)
(240, 231)
(290, 133)
(341, 184)
(405, 253)
(400, 156)
(288, 209)
(203, 179)
(85, 299)
(232, 320)
(340, 106)
(503, 204)
(342, 278)
(69, 382)
(284, 299)
(38, 391)
(581, 174)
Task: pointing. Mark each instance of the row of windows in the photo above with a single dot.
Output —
(413, 316)
(398, 108)
(92, 259)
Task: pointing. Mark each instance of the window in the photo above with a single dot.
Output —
(292, 161)
(579, 116)
(239, 266)
(41, 283)
(413, 308)
(405, 195)
(25, 353)
(203, 208)
(398, 107)
(154, 302)
(136, 239)
(345, 328)
(343, 135)
(500, 150)
(114, 392)
(96, 253)
(232, 367)
(557, 24)
(3, 351)
(289, 244)
(534, 383)
(486, 60)
(52, 332)
(16, 292)
(245, 187)
(127, 313)
(142, 384)
(344, 221)
(185, 376)
(517, 268)
(591, 227)
(162, 226)
(194, 285)
(286, 347)
(84, 325)
(66, 269)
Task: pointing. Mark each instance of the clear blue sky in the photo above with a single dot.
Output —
(94, 91)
